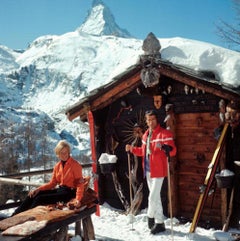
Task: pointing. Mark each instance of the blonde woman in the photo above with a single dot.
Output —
(66, 183)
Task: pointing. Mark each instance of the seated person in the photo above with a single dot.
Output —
(67, 174)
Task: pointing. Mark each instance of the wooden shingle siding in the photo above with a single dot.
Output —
(196, 145)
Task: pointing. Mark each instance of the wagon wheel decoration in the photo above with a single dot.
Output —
(134, 128)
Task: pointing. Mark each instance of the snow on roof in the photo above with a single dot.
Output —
(201, 56)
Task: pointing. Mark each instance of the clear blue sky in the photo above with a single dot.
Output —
(22, 21)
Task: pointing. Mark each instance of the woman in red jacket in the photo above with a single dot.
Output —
(157, 143)
(67, 174)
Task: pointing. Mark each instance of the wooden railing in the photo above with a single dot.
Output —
(15, 180)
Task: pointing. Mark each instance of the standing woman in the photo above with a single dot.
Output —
(157, 143)
(67, 174)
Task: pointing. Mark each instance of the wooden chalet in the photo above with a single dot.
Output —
(193, 104)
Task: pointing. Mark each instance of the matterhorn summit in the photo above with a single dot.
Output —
(100, 21)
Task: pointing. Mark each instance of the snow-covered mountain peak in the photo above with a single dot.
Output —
(56, 71)
(100, 21)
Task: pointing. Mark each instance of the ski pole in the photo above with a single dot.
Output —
(170, 195)
(226, 224)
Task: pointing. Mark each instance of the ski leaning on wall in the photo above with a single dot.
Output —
(94, 154)
(209, 179)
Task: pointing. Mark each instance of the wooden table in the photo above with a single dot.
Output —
(44, 233)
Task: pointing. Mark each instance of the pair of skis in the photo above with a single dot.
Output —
(94, 154)
(209, 178)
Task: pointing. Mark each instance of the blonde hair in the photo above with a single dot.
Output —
(62, 144)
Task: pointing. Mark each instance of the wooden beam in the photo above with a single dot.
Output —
(28, 174)
(81, 109)
(10, 205)
(106, 96)
(19, 182)
(198, 83)
(122, 85)
(116, 92)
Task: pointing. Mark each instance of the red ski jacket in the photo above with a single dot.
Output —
(70, 176)
(158, 159)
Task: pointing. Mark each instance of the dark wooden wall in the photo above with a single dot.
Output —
(196, 145)
(196, 119)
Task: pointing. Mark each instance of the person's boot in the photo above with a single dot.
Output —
(151, 223)
(157, 228)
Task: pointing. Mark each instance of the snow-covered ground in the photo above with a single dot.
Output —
(113, 225)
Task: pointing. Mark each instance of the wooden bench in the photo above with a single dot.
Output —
(49, 231)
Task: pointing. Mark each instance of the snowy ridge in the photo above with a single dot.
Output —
(55, 72)
(7, 59)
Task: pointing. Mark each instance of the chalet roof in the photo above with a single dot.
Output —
(128, 80)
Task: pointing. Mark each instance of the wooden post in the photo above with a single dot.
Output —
(174, 180)
(171, 125)
(224, 191)
(78, 228)
(61, 234)
(226, 224)
(88, 229)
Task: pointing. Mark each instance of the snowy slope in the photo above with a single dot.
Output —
(57, 71)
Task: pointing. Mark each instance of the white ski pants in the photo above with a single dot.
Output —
(155, 209)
